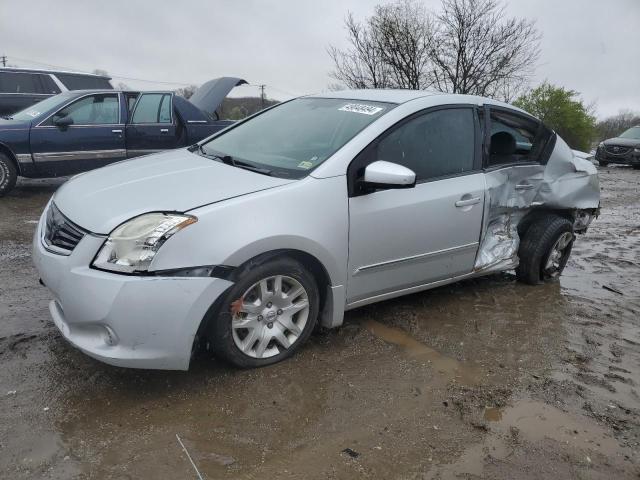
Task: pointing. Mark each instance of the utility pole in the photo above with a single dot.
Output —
(262, 97)
(3, 58)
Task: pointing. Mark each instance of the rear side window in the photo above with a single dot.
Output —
(92, 110)
(516, 139)
(436, 144)
(18, 82)
(153, 108)
(74, 81)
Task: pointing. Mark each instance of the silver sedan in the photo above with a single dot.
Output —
(250, 239)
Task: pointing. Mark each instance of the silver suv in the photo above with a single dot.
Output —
(279, 223)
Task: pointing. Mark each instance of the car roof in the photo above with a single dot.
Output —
(378, 95)
(402, 96)
(38, 70)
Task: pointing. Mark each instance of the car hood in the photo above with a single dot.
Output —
(623, 142)
(175, 181)
(211, 94)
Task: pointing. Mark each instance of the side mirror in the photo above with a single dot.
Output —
(381, 174)
(62, 122)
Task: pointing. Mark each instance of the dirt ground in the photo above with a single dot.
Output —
(487, 378)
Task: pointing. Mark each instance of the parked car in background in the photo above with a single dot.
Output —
(622, 150)
(248, 239)
(21, 87)
(77, 131)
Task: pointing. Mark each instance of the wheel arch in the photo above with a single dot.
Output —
(9, 153)
(311, 262)
(537, 213)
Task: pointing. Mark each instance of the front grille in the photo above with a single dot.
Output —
(60, 233)
(617, 150)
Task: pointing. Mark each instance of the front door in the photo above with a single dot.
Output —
(404, 238)
(153, 126)
(94, 137)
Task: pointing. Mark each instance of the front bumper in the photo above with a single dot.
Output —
(127, 321)
(631, 158)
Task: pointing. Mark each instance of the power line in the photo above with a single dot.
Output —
(262, 87)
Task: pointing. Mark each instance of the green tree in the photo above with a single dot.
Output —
(563, 111)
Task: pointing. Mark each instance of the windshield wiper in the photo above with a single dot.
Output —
(229, 160)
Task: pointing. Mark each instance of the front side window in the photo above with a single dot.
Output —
(40, 108)
(153, 108)
(102, 109)
(295, 137)
(515, 139)
(436, 144)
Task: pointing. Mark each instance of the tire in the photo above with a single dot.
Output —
(8, 175)
(636, 167)
(247, 303)
(545, 249)
(602, 163)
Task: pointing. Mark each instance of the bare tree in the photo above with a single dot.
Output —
(360, 66)
(470, 46)
(187, 91)
(478, 50)
(403, 33)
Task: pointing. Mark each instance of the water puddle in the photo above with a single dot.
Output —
(532, 422)
(447, 366)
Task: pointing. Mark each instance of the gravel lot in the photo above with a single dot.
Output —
(486, 378)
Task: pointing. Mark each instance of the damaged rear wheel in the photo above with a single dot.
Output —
(545, 249)
(267, 315)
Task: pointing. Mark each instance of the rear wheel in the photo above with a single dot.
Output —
(545, 249)
(8, 174)
(267, 315)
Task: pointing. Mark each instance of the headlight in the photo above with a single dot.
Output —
(637, 149)
(132, 246)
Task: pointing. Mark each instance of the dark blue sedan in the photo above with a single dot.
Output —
(81, 130)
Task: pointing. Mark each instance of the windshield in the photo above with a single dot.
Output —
(39, 108)
(295, 137)
(633, 133)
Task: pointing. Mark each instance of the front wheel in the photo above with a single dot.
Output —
(545, 249)
(8, 175)
(267, 315)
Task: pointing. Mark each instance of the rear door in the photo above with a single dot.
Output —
(94, 139)
(404, 238)
(153, 125)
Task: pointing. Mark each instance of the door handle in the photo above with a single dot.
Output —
(467, 202)
(524, 186)
(116, 130)
(164, 130)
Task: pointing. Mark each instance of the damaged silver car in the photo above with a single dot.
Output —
(248, 240)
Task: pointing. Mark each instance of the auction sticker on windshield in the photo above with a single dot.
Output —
(361, 108)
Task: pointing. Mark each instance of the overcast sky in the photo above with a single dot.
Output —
(592, 46)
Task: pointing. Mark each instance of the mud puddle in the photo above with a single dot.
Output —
(532, 426)
(449, 368)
